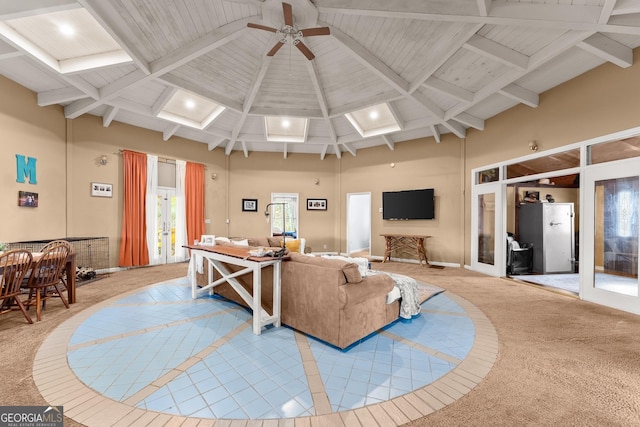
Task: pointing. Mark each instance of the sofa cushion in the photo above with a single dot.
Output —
(258, 241)
(275, 242)
(349, 269)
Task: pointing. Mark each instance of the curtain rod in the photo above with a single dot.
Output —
(160, 159)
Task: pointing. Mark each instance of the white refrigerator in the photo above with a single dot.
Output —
(549, 227)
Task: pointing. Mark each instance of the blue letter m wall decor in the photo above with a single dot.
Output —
(26, 168)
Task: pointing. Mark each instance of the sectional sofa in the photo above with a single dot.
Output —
(327, 299)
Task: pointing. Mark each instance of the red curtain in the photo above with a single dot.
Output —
(133, 242)
(194, 200)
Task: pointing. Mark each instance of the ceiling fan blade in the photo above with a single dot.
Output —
(288, 14)
(321, 31)
(305, 50)
(275, 49)
(261, 27)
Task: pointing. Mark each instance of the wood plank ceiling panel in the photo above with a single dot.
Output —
(471, 71)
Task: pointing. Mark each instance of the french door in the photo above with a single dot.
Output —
(166, 223)
(488, 232)
(609, 250)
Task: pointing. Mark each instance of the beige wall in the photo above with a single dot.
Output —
(603, 101)
(34, 132)
(417, 164)
(597, 103)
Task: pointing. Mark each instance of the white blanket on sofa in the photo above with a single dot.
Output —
(405, 289)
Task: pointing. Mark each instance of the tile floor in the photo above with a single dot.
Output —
(157, 357)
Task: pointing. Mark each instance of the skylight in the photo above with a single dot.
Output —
(286, 129)
(375, 120)
(190, 109)
(67, 41)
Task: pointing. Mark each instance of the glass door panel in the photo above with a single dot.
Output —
(166, 232)
(616, 225)
(488, 231)
(486, 228)
(612, 235)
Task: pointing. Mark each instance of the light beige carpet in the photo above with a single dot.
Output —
(561, 362)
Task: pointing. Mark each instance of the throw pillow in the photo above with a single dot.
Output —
(351, 273)
(363, 263)
(292, 245)
(243, 242)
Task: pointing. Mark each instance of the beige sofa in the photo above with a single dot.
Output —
(325, 298)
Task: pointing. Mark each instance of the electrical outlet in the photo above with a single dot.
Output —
(324, 246)
(207, 221)
(227, 221)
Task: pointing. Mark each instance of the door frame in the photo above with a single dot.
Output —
(349, 220)
(588, 291)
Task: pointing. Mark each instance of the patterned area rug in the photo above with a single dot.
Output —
(426, 291)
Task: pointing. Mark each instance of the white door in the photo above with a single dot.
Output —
(166, 241)
(609, 247)
(488, 230)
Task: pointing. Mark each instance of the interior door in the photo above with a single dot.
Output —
(611, 235)
(166, 242)
(488, 230)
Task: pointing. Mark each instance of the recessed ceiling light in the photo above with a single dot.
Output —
(67, 30)
(189, 109)
(375, 120)
(289, 129)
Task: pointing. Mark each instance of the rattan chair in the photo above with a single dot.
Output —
(44, 281)
(14, 266)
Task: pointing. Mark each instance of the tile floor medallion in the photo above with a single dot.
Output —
(157, 357)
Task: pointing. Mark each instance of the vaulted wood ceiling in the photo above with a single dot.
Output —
(441, 66)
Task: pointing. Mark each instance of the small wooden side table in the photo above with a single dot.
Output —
(407, 243)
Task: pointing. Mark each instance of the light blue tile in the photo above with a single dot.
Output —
(257, 408)
(250, 376)
(225, 408)
(191, 406)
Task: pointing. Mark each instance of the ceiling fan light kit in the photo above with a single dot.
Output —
(290, 35)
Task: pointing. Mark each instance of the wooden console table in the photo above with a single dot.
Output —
(218, 256)
(405, 242)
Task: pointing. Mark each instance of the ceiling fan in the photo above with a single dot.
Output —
(288, 34)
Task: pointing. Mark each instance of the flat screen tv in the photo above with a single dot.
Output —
(408, 204)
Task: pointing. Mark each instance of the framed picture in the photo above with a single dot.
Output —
(316, 204)
(27, 199)
(101, 190)
(208, 240)
(532, 196)
(249, 205)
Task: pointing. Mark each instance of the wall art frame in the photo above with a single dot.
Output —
(27, 199)
(99, 189)
(316, 204)
(249, 205)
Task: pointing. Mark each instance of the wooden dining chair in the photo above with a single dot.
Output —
(63, 273)
(44, 280)
(14, 266)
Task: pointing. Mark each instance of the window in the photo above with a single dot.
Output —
(285, 213)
